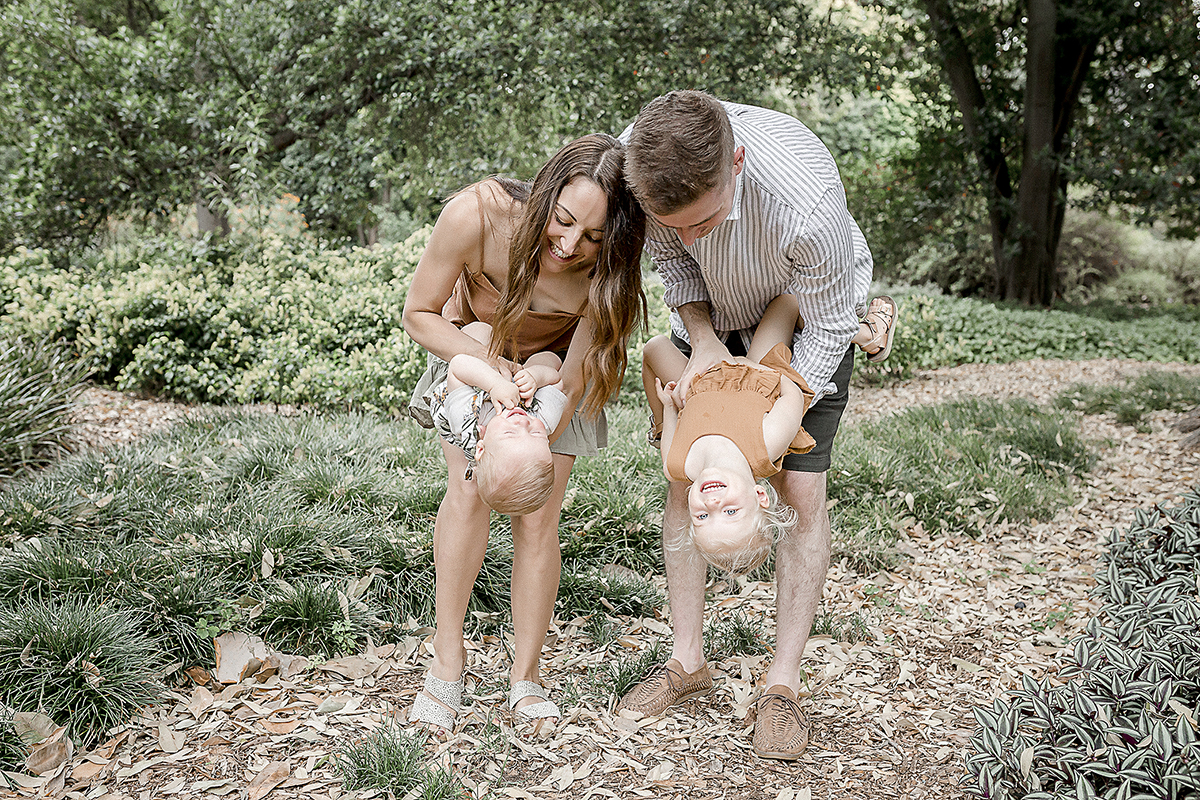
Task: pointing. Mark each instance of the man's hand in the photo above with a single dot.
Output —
(666, 394)
(504, 394)
(701, 360)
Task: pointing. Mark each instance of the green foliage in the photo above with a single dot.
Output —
(581, 590)
(12, 749)
(995, 460)
(285, 321)
(39, 382)
(616, 678)
(392, 760)
(363, 109)
(1124, 722)
(732, 635)
(312, 618)
(85, 665)
(840, 627)
(937, 331)
(1151, 391)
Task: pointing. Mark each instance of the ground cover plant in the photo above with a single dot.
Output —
(1130, 403)
(39, 381)
(1120, 720)
(939, 331)
(314, 530)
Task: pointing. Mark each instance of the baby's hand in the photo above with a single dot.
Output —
(666, 394)
(505, 395)
(525, 384)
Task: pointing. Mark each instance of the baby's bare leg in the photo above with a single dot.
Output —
(778, 324)
(660, 359)
(479, 331)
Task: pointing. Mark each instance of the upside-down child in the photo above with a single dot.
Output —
(739, 420)
(501, 419)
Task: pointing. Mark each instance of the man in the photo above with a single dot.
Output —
(745, 204)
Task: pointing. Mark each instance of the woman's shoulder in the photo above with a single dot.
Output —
(489, 200)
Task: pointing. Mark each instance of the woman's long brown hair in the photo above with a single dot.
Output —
(616, 304)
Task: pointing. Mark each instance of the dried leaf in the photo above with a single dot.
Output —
(268, 563)
(352, 667)
(88, 770)
(33, 727)
(51, 754)
(170, 740)
(267, 779)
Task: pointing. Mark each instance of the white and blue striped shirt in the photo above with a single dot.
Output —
(788, 232)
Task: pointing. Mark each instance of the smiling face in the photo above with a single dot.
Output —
(576, 227)
(724, 509)
(513, 429)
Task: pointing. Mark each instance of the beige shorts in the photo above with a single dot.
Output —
(582, 437)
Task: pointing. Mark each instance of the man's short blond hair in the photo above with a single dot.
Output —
(509, 488)
(681, 148)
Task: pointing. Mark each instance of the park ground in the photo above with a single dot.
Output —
(957, 623)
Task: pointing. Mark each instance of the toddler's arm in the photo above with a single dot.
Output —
(471, 371)
(781, 423)
(541, 369)
(666, 394)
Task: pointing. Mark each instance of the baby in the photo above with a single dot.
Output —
(741, 417)
(502, 422)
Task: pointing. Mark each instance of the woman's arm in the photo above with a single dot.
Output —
(453, 247)
(572, 373)
(781, 423)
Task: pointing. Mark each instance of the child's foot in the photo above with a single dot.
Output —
(881, 322)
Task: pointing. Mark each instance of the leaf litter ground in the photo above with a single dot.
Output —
(956, 625)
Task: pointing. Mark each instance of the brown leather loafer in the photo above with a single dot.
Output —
(881, 320)
(780, 727)
(664, 686)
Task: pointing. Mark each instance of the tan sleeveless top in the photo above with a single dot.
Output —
(475, 297)
(731, 400)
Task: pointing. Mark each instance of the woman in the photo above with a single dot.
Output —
(551, 266)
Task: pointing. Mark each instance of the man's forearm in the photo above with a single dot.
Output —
(697, 318)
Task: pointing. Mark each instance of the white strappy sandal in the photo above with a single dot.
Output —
(438, 703)
(535, 711)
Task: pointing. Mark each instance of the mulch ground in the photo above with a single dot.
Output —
(955, 626)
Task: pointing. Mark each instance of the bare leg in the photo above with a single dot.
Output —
(801, 561)
(536, 566)
(777, 325)
(460, 537)
(686, 580)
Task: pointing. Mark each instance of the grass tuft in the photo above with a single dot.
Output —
(617, 678)
(391, 760)
(734, 634)
(1155, 390)
(312, 618)
(39, 382)
(841, 627)
(85, 665)
(581, 589)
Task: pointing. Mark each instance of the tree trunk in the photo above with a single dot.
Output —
(1026, 269)
(208, 221)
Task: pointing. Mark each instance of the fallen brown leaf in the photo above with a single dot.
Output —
(267, 779)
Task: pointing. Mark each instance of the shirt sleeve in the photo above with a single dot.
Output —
(683, 281)
(828, 257)
(548, 406)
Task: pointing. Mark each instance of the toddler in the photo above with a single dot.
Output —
(740, 419)
(502, 419)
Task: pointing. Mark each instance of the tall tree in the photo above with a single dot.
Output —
(341, 101)
(1053, 91)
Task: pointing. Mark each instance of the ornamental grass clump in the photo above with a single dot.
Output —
(39, 382)
(1124, 724)
(84, 664)
(391, 760)
(581, 590)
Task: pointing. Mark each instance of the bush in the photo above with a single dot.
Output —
(39, 382)
(286, 321)
(936, 331)
(85, 665)
(1124, 725)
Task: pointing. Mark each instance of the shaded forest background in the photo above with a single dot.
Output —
(972, 136)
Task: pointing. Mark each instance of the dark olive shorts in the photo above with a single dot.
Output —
(821, 421)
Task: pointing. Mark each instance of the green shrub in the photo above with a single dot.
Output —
(582, 591)
(936, 331)
(286, 321)
(311, 618)
(86, 665)
(1123, 725)
(39, 382)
